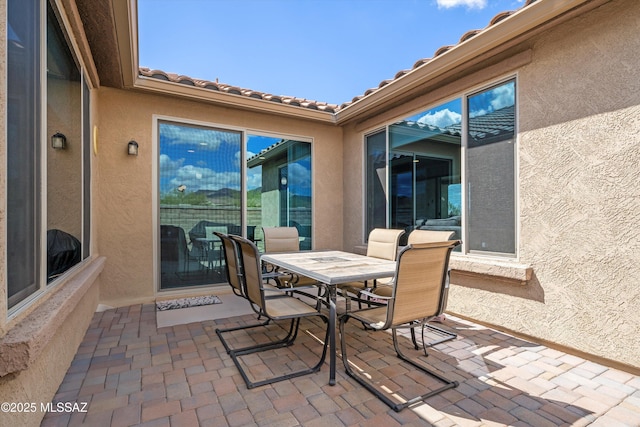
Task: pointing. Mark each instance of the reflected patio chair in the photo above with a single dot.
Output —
(418, 294)
(382, 243)
(213, 245)
(274, 308)
(386, 290)
(174, 251)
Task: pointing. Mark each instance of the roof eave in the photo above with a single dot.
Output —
(232, 100)
(491, 38)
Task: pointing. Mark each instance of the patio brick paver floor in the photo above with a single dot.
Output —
(132, 373)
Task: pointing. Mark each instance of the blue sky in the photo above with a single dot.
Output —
(323, 50)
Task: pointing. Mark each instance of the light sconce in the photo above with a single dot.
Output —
(132, 148)
(58, 141)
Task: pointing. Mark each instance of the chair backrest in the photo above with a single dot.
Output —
(281, 239)
(383, 243)
(251, 271)
(428, 236)
(420, 282)
(231, 258)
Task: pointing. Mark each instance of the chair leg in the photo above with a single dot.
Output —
(448, 384)
(443, 333)
(285, 342)
(236, 354)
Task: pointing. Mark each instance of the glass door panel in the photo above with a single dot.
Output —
(200, 192)
(279, 186)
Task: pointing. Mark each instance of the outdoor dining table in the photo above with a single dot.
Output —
(332, 268)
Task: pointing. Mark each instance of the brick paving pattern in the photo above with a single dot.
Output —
(132, 373)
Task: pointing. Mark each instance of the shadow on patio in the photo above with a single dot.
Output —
(130, 372)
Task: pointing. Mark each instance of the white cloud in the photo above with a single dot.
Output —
(471, 4)
(441, 118)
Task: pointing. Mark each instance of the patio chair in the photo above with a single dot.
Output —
(382, 243)
(386, 290)
(418, 293)
(284, 239)
(284, 307)
(416, 236)
(234, 277)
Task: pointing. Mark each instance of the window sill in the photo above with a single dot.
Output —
(509, 272)
(25, 341)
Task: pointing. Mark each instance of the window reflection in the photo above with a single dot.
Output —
(279, 186)
(200, 193)
(424, 165)
(491, 169)
(64, 167)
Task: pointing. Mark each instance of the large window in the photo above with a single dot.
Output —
(491, 170)
(47, 212)
(422, 187)
(414, 171)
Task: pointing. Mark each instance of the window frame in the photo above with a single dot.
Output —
(41, 143)
(245, 132)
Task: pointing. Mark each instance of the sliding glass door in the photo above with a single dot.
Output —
(202, 191)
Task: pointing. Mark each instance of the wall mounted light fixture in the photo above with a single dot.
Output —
(132, 148)
(58, 141)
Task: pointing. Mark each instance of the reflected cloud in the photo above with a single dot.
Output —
(198, 178)
(299, 179)
(205, 139)
(168, 166)
(492, 100)
(441, 118)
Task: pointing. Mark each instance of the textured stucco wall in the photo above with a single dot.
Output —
(578, 190)
(124, 188)
(40, 382)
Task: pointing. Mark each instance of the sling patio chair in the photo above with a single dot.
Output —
(382, 243)
(417, 297)
(440, 335)
(274, 308)
(284, 239)
(234, 277)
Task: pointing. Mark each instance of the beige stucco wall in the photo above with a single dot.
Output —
(124, 187)
(578, 187)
